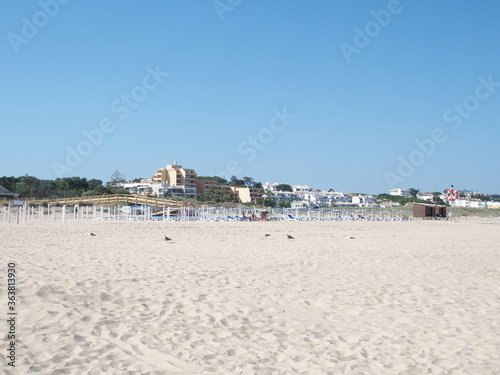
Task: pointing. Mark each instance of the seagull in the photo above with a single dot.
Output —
(266, 235)
(92, 234)
(167, 239)
(350, 237)
(289, 237)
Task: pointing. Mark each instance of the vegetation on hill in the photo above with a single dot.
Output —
(68, 187)
(218, 194)
(234, 181)
(219, 180)
(265, 202)
(284, 187)
(285, 204)
(399, 199)
(413, 192)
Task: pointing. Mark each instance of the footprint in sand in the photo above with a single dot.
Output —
(154, 358)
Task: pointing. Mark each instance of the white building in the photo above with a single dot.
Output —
(493, 204)
(286, 196)
(459, 202)
(295, 188)
(300, 204)
(364, 200)
(148, 188)
(477, 203)
(306, 197)
(269, 186)
(324, 198)
(301, 188)
(426, 196)
(400, 192)
(139, 188)
(339, 198)
(467, 202)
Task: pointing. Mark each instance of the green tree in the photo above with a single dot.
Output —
(483, 197)
(121, 191)
(285, 204)
(116, 177)
(436, 198)
(29, 187)
(248, 181)
(284, 187)
(219, 180)
(94, 184)
(413, 192)
(9, 183)
(464, 193)
(70, 186)
(234, 181)
(399, 199)
(98, 190)
(219, 194)
(266, 202)
(32, 187)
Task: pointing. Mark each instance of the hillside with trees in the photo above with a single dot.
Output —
(31, 187)
(399, 199)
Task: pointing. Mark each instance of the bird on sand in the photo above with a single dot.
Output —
(92, 234)
(350, 237)
(289, 237)
(266, 235)
(166, 238)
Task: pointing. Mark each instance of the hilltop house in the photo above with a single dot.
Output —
(400, 192)
(426, 196)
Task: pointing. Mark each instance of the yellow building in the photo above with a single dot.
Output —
(203, 185)
(181, 180)
(245, 194)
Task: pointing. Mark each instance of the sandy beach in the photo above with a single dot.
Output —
(419, 297)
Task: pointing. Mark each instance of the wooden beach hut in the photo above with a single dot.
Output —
(6, 193)
(429, 211)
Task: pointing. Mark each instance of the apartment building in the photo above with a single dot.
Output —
(181, 180)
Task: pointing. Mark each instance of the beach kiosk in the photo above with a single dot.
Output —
(429, 211)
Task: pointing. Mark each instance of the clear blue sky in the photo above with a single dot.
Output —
(352, 116)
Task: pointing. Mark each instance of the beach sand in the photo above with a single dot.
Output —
(419, 297)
